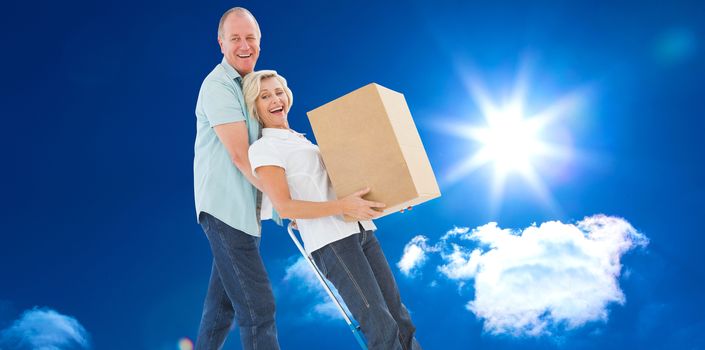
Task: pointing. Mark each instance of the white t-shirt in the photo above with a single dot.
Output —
(308, 181)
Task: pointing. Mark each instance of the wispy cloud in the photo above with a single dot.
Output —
(530, 281)
(455, 231)
(299, 273)
(414, 255)
(417, 251)
(46, 329)
(461, 264)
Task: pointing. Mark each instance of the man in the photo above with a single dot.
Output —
(227, 195)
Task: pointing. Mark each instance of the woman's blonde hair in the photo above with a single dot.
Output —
(251, 85)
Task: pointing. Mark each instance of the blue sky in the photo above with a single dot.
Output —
(99, 229)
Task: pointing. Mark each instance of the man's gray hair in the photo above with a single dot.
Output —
(238, 11)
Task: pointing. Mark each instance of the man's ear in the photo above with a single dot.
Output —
(220, 43)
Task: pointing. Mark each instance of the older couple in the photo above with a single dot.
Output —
(229, 176)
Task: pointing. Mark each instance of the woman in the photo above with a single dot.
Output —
(294, 178)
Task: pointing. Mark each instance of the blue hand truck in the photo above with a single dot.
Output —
(353, 327)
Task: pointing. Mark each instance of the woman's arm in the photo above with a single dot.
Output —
(273, 180)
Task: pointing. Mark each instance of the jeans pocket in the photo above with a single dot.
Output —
(350, 276)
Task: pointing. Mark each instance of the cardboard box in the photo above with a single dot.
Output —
(368, 138)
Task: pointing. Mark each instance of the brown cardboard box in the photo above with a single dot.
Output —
(368, 138)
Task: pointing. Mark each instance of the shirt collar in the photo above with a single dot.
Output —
(230, 71)
(280, 133)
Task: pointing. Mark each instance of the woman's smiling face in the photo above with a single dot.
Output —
(272, 104)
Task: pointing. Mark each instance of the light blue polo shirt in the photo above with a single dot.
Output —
(220, 188)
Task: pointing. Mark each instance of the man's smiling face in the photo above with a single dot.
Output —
(239, 42)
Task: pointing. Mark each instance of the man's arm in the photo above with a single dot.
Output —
(235, 138)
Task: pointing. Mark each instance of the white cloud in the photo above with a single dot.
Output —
(532, 281)
(414, 255)
(300, 273)
(417, 250)
(455, 231)
(45, 329)
(461, 263)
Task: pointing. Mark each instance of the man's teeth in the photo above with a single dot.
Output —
(244, 56)
(277, 110)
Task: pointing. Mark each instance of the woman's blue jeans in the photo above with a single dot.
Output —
(358, 269)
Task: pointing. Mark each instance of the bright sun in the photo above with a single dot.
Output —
(510, 141)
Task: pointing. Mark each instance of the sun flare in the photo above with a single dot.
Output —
(511, 141)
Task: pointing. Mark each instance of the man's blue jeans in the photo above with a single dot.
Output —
(358, 269)
(239, 288)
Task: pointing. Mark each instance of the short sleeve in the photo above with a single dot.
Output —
(220, 104)
(263, 154)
